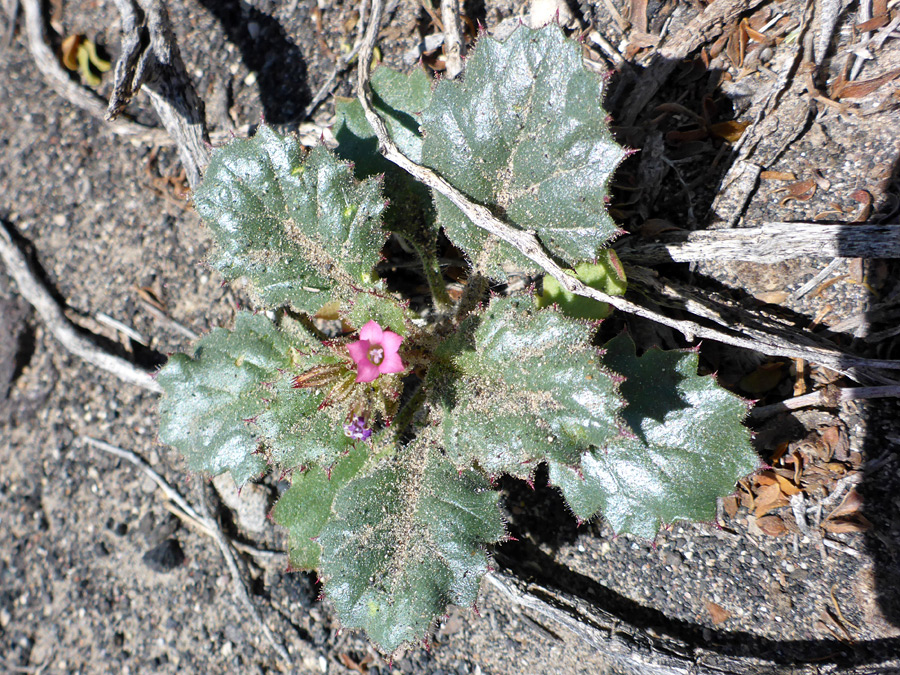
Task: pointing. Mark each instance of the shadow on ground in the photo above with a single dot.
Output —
(280, 67)
(881, 484)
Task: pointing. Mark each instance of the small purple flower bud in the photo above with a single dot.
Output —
(356, 429)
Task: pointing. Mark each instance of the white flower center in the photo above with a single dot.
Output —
(376, 354)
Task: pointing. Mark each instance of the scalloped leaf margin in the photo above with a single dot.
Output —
(686, 446)
(405, 541)
(524, 134)
(517, 386)
(301, 230)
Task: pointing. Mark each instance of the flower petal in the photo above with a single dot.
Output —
(392, 363)
(391, 342)
(366, 371)
(359, 351)
(371, 332)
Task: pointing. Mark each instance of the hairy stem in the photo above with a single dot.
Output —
(433, 275)
(405, 416)
(475, 288)
(387, 442)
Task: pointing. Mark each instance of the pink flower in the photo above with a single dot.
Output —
(375, 353)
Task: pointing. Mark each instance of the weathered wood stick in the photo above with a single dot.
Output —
(150, 59)
(772, 242)
(31, 288)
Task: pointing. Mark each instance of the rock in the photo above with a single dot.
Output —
(250, 504)
(164, 557)
(673, 559)
(154, 531)
(234, 634)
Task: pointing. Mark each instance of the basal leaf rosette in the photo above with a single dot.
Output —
(685, 446)
(406, 540)
(301, 229)
(517, 386)
(524, 134)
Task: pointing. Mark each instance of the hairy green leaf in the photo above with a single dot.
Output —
(298, 229)
(517, 386)
(686, 446)
(400, 100)
(212, 397)
(297, 429)
(405, 541)
(306, 507)
(384, 310)
(233, 404)
(524, 134)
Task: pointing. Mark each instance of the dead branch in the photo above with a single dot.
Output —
(528, 244)
(150, 60)
(827, 14)
(454, 44)
(757, 324)
(769, 243)
(211, 528)
(59, 79)
(632, 649)
(830, 397)
(56, 322)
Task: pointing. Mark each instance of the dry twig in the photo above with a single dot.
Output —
(828, 397)
(770, 242)
(168, 321)
(454, 43)
(56, 322)
(59, 79)
(827, 14)
(653, 652)
(150, 60)
(840, 548)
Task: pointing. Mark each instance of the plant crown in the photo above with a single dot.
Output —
(393, 435)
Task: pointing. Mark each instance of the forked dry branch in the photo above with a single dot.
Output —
(56, 322)
(151, 60)
(59, 79)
